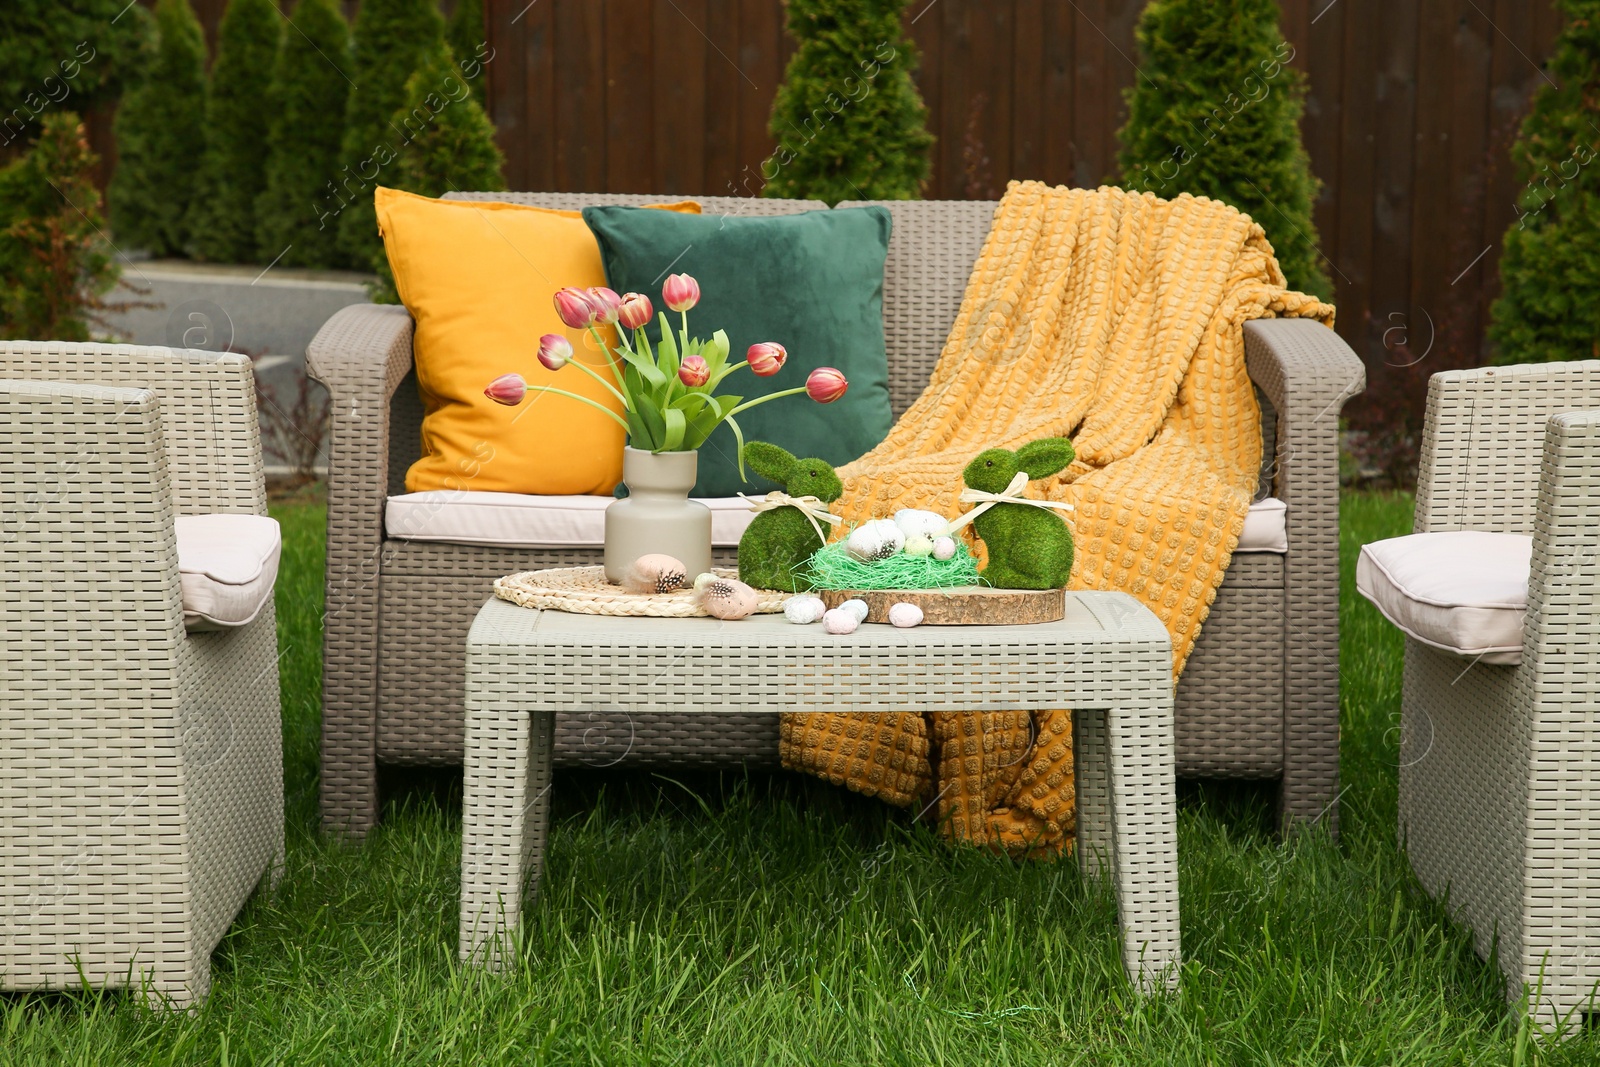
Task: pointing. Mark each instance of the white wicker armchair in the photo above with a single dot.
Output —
(141, 777)
(1500, 765)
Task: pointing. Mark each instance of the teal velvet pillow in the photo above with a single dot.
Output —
(812, 282)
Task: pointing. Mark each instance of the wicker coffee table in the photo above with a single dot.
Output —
(1109, 659)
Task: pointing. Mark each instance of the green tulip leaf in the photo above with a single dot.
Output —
(676, 424)
(669, 357)
(655, 426)
(738, 436)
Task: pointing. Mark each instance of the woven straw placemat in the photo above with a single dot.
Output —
(584, 590)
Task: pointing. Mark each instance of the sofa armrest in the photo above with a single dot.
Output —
(1308, 372)
(1562, 635)
(360, 356)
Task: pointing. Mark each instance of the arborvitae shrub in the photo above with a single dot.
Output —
(1215, 111)
(298, 210)
(464, 33)
(222, 223)
(55, 264)
(391, 39)
(59, 56)
(848, 119)
(448, 147)
(1550, 266)
(160, 132)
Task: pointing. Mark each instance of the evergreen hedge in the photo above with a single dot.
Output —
(848, 119)
(161, 136)
(1550, 263)
(392, 37)
(448, 144)
(56, 56)
(464, 33)
(300, 207)
(1215, 111)
(55, 264)
(233, 174)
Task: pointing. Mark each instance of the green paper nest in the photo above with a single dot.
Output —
(833, 568)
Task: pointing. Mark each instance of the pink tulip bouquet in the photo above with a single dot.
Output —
(668, 394)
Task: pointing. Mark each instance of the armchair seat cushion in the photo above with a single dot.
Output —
(1460, 591)
(513, 520)
(227, 565)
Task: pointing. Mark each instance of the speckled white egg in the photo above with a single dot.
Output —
(803, 610)
(875, 540)
(944, 548)
(904, 615)
(916, 522)
(856, 607)
(918, 546)
(839, 621)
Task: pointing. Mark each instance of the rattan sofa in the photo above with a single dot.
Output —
(1500, 765)
(1259, 698)
(141, 774)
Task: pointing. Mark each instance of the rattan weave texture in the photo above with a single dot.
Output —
(391, 691)
(1500, 765)
(140, 765)
(1110, 659)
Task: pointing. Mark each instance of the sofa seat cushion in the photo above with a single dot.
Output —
(1460, 591)
(227, 565)
(512, 520)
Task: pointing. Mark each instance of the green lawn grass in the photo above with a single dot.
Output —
(762, 918)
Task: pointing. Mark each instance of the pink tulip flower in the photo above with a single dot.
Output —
(825, 385)
(694, 371)
(554, 351)
(681, 292)
(766, 358)
(508, 389)
(576, 308)
(607, 304)
(635, 311)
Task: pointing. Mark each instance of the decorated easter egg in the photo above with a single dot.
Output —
(944, 548)
(840, 621)
(914, 521)
(904, 615)
(918, 546)
(875, 540)
(804, 609)
(728, 598)
(654, 573)
(856, 607)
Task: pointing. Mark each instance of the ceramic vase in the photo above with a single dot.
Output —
(657, 514)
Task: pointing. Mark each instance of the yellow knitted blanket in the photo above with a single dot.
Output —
(1115, 319)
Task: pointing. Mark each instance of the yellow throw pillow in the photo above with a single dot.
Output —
(479, 278)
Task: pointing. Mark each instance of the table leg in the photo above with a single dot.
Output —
(1144, 811)
(1092, 773)
(505, 811)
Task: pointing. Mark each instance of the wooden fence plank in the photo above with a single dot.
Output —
(630, 110)
(578, 97)
(680, 59)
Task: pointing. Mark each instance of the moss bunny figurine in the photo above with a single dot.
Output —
(1029, 547)
(779, 542)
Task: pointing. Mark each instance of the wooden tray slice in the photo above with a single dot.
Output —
(962, 605)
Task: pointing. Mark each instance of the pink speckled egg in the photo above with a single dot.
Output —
(840, 621)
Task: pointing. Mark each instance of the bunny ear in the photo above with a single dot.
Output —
(1046, 456)
(769, 461)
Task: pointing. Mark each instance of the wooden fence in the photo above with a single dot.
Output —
(1412, 107)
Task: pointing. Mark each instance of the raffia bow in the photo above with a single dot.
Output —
(809, 506)
(1011, 494)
